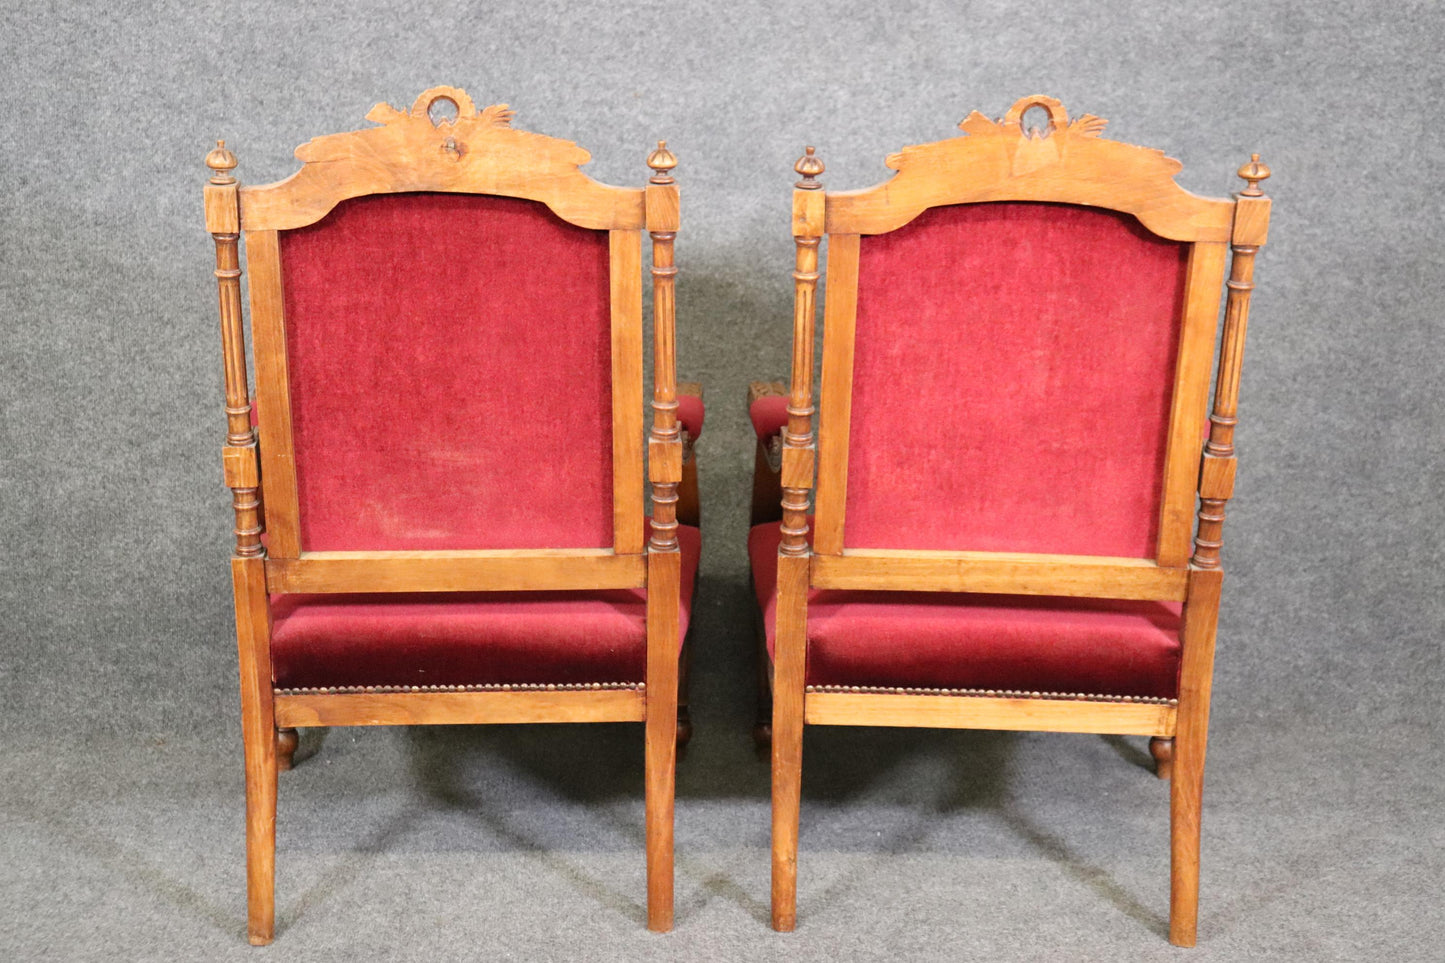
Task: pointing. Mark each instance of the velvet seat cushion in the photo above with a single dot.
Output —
(967, 641)
(472, 638)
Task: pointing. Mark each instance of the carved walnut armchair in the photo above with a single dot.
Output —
(440, 499)
(1018, 338)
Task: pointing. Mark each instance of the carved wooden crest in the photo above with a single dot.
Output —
(1002, 160)
(471, 151)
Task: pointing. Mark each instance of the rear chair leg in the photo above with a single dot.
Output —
(286, 742)
(763, 724)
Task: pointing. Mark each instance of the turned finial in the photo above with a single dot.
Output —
(222, 162)
(809, 166)
(1253, 172)
(662, 161)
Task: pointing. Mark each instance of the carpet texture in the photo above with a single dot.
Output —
(120, 763)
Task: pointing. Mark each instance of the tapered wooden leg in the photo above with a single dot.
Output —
(258, 730)
(662, 670)
(286, 742)
(788, 674)
(1163, 752)
(1186, 786)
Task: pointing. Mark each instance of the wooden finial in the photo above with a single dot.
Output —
(662, 161)
(1253, 172)
(809, 166)
(223, 162)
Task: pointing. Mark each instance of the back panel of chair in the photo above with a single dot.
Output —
(439, 347)
(1018, 338)
(1012, 378)
(447, 322)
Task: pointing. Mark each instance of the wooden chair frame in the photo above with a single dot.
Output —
(1069, 163)
(476, 152)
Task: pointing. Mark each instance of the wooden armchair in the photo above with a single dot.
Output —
(440, 507)
(1018, 338)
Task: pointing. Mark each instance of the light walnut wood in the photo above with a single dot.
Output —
(1201, 609)
(223, 221)
(1000, 161)
(258, 732)
(840, 312)
(789, 673)
(1186, 784)
(982, 712)
(498, 570)
(1070, 163)
(1219, 449)
(1204, 282)
(458, 708)
(1162, 750)
(627, 429)
(273, 395)
(663, 613)
(998, 572)
(286, 742)
(664, 558)
(476, 153)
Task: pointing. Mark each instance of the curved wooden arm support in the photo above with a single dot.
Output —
(767, 461)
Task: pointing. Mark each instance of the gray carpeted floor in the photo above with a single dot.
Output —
(120, 776)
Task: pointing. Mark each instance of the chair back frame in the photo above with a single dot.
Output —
(1069, 163)
(477, 152)
(1001, 161)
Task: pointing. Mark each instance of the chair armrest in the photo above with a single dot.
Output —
(768, 409)
(690, 413)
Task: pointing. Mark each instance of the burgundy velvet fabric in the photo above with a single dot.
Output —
(1012, 379)
(690, 412)
(769, 415)
(450, 369)
(468, 638)
(964, 641)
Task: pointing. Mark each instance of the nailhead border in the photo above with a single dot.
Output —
(994, 693)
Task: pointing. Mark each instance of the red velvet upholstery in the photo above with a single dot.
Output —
(769, 414)
(690, 412)
(468, 639)
(440, 347)
(957, 641)
(1019, 358)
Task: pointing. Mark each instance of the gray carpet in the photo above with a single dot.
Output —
(120, 776)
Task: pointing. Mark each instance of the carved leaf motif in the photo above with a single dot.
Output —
(1088, 126)
(978, 125)
(497, 115)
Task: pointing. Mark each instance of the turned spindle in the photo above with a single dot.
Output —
(665, 443)
(1217, 467)
(797, 469)
(223, 220)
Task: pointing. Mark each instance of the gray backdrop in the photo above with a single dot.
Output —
(121, 803)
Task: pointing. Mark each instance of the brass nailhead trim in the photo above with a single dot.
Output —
(488, 687)
(995, 694)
